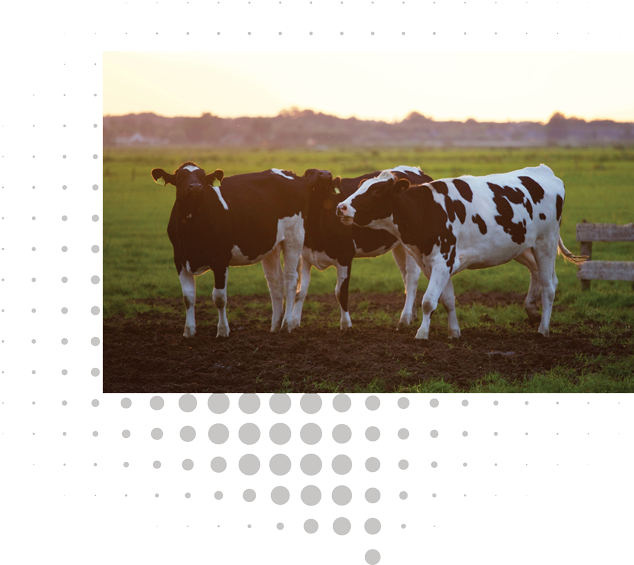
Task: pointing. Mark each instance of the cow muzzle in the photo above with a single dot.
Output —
(345, 213)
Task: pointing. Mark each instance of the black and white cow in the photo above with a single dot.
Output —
(330, 243)
(450, 225)
(244, 220)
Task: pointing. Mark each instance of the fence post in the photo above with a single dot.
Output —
(586, 249)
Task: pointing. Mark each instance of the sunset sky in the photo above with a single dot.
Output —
(494, 86)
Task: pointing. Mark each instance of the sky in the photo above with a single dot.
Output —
(494, 86)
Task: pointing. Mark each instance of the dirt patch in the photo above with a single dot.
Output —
(149, 353)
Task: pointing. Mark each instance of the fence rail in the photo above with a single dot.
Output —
(603, 270)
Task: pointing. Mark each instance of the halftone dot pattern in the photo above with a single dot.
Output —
(341, 526)
(218, 464)
(434, 403)
(341, 464)
(218, 434)
(280, 434)
(311, 526)
(157, 402)
(188, 464)
(341, 403)
(249, 495)
(280, 495)
(249, 464)
(372, 464)
(403, 433)
(249, 403)
(249, 434)
(341, 495)
(310, 464)
(126, 402)
(372, 403)
(157, 433)
(280, 464)
(372, 557)
(218, 495)
(218, 403)
(372, 495)
(187, 403)
(280, 403)
(372, 433)
(372, 526)
(341, 433)
(310, 434)
(188, 433)
(310, 403)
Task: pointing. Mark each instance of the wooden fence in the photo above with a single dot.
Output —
(603, 270)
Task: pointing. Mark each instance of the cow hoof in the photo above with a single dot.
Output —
(543, 332)
(296, 324)
(421, 335)
(345, 328)
(403, 323)
(189, 332)
(454, 335)
(222, 332)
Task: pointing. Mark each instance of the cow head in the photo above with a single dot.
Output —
(321, 182)
(189, 179)
(372, 200)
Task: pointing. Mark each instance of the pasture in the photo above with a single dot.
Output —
(590, 348)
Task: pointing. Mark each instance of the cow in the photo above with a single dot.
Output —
(330, 243)
(218, 222)
(454, 224)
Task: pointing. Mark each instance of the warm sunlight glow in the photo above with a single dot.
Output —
(495, 86)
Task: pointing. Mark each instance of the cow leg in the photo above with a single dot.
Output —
(437, 283)
(274, 278)
(341, 292)
(219, 296)
(449, 302)
(292, 249)
(527, 259)
(302, 291)
(410, 271)
(188, 284)
(545, 253)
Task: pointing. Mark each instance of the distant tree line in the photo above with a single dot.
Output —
(305, 128)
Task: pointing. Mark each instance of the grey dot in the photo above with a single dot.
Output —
(64, 187)
(64, 341)
(187, 403)
(95, 218)
(218, 464)
(434, 433)
(157, 433)
(64, 218)
(94, 156)
(372, 557)
(249, 434)
(218, 495)
(280, 464)
(157, 402)
(94, 372)
(495, 433)
(249, 403)
(249, 495)
(126, 464)
(311, 495)
(372, 526)
(434, 464)
(187, 433)
(218, 403)
(95, 310)
(95, 249)
(188, 464)
(94, 186)
(310, 464)
(434, 403)
(32, 310)
(65, 279)
(125, 433)
(249, 464)
(218, 433)
(495, 402)
(402, 495)
(341, 403)
(95, 403)
(465, 403)
(280, 526)
(464, 464)
(372, 495)
(372, 464)
(465, 434)
(372, 433)
(341, 495)
(187, 495)
(156, 464)
(372, 402)
(403, 402)
(403, 433)
(310, 403)
(403, 464)
(280, 495)
(64, 310)
(280, 434)
(311, 526)
(403, 526)
(341, 464)
(310, 434)
(95, 434)
(341, 526)
(94, 279)
(280, 403)
(95, 341)
(64, 249)
(341, 433)
(527, 402)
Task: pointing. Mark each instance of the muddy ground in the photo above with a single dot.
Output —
(149, 353)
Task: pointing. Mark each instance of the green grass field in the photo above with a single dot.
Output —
(599, 187)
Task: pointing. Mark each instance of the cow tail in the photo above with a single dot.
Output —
(577, 259)
(300, 265)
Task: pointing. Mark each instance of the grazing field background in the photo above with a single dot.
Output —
(140, 280)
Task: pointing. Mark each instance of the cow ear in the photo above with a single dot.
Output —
(399, 186)
(215, 178)
(336, 185)
(163, 178)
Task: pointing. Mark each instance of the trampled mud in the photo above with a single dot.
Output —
(149, 354)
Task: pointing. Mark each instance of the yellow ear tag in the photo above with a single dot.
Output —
(337, 191)
(216, 182)
(161, 181)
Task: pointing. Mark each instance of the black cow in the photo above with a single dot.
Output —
(245, 220)
(470, 223)
(330, 243)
